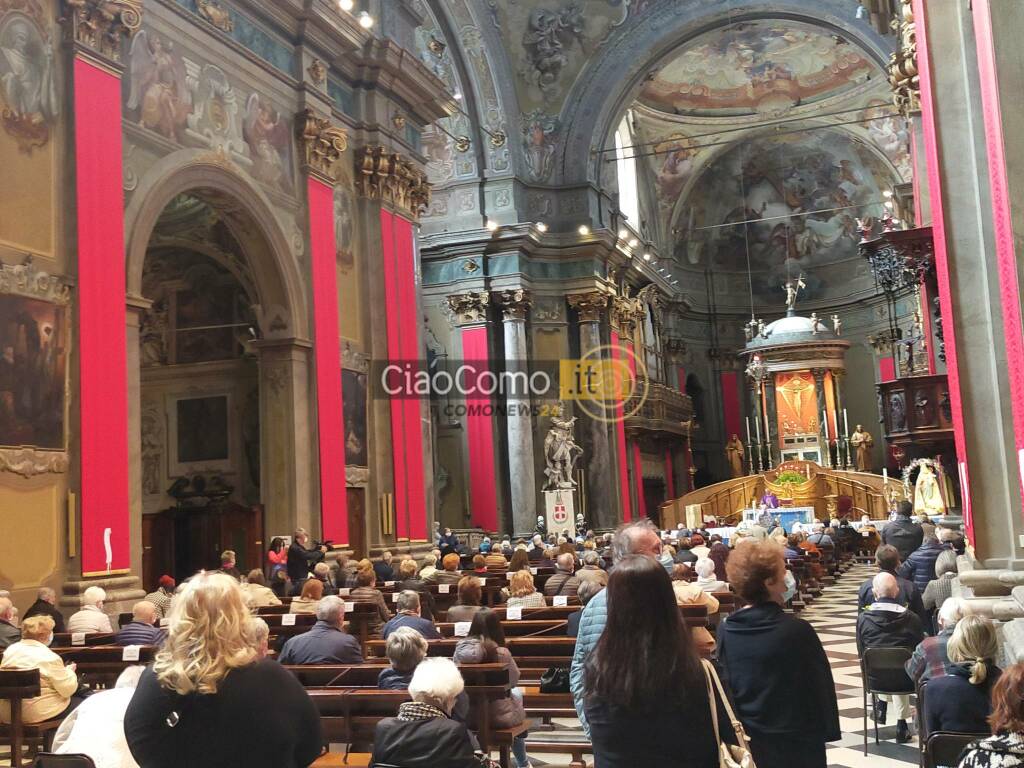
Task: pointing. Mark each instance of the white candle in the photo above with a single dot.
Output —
(885, 477)
(824, 424)
(846, 424)
(747, 419)
(757, 424)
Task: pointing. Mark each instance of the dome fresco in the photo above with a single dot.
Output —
(765, 66)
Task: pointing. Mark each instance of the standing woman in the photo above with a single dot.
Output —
(208, 701)
(788, 716)
(277, 556)
(644, 689)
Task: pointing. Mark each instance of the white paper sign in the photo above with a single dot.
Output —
(78, 638)
(344, 592)
(515, 613)
(462, 628)
(287, 619)
(164, 622)
(130, 653)
(394, 596)
(533, 571)
(560, 600)
(444, 589)
(349, 607)
(509, 575)
(865, 534)
(482, 582)
(389, 583)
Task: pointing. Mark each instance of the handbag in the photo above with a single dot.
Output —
(729, 755)
(555, 680)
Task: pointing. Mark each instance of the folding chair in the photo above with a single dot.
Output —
(882, 672)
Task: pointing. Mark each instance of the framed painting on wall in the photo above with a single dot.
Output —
(200, 432)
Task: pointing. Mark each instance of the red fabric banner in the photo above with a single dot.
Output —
(103, 363)
(620, 440)
(886, 369)
(731, 404)
(483, 500)
(398, 409)
(638, 481)
(327, 356)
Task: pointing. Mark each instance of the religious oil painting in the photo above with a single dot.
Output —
(33, 363)
(353, 388)
(158, 98)
(202, 429)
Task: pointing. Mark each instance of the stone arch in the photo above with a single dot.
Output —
(594, 109)
(248, 212)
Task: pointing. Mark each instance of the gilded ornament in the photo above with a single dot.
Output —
(214, 13)
(436, 47)
(469, 308)
(321, 143)
(100, 24)
(398, 120)
(463, 143)
(392, 178)
(317, 72)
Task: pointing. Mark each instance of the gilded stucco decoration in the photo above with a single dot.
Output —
(100, 25)
(391, 177)
(321, 143)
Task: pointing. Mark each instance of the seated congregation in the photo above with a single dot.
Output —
(465, 654)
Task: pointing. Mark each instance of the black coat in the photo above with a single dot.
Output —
(43, 608)
(904, 534)
(423, 744)
(383, 571)
(301, 561)
(951, 703)
(779, 675)
(420, 587)
(260, 717)
(887, 624)
(909, 597)
(572, 624)
(920, 566)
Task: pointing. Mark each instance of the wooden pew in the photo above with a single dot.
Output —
(67, 639)
(16, 685)
(102, 664)
(526, 627)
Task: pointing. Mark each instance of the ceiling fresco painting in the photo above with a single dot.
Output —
(766, 67)
(801, 196)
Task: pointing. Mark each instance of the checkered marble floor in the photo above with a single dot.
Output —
(834, 616)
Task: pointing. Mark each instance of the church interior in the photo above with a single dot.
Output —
(418, 275)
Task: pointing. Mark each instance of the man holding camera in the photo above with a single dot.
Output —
(302, 560)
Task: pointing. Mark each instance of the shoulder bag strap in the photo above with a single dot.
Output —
(711, 700)
(737, 726)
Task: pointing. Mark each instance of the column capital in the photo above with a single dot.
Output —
(514, 303)
(469, 308)
(392, 178)
(591, 306)
(321, 144)
(97, 26)
(626, 313)
(819, 374)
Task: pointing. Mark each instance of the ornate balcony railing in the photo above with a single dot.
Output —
(664, 409)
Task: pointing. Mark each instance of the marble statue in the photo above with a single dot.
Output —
(862, 441)
(561, 451)
(734, 455)
(927, 496)
(792, 289)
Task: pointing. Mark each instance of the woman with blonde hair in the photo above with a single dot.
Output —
(307, 601)
(961, 699)
(522, 593)
(208, 701)
(57, 684)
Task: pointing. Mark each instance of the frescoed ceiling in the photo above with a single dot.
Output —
(763, 66)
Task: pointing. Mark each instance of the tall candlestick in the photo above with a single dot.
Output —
(747, 419)
(757, 424)
(846, 424)
(824, 424)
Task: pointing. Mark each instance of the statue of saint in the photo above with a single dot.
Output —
(561, 451)
(792, 289)
(862, 441)
(734, 454)
(927, 496)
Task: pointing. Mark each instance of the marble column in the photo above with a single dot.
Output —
(290, 497)
(519, 417)
(603, 511)
(819, 389)
(842, 447)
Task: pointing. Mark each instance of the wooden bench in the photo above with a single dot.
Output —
(100, 665)
(523, 628)
(67, 639)
(16, 685)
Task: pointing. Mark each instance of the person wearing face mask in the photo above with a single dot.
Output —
(788, 717)
(58, 685)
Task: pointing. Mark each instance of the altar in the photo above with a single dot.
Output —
(784, 516)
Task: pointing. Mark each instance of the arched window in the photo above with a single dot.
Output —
(625, 166)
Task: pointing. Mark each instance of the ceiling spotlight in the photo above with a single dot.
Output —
(675, 282)
(633, 243)
(887, 194)
(896, 222)
(888, 204)
(862, 12)
(365, 20)
(346, 5)
(541, 226)
(647, 257)
(492, 225)
(623, 234)
(457, 96)
(584, 230)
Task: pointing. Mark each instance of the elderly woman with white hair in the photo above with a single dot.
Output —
(209, 701)
(706, 578)
(96, 727)
(931, 658)
(405, 649)
(91, 617)
(424, 735)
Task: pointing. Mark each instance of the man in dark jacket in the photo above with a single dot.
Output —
(903, 533)
(887, 624)
(408, 580)
(408, 615)
(563, 582)
(382, 568)
(302, 560)
(9, 634)
(325, 643)
(920, 566)
(888, 561)
(142, 629)
(46, 605)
